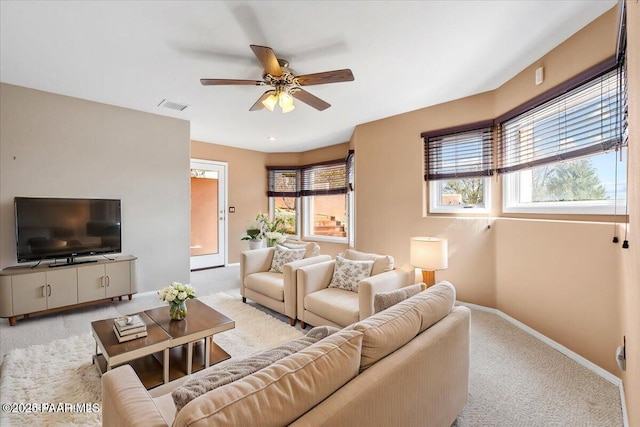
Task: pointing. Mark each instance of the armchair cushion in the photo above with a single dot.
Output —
(381, 263)
(341, 306)
(347, 273)
(266, 283)
(284, 255)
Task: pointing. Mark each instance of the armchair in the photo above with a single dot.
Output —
(274, 290)
(318, 304)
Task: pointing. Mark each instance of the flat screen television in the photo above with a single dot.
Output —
(52, 228)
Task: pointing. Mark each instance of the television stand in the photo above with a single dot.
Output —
(26, 291)
(72, 261)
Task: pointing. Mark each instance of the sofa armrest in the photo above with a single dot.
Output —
(254, 261)
(383, 282)
(312, 278)
(125, 401)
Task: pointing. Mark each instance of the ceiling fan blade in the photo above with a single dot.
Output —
(259, 105)
(223, 82)
(335, 76)
(312, 100)
(268, 59)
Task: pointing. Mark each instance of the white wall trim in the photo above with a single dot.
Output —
(562, 349)
(233, 264)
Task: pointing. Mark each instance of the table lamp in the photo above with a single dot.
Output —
(429, 254)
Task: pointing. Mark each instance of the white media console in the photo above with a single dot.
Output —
(26, 290)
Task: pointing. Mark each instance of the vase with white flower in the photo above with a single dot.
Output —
(176, 294)
(273, 231)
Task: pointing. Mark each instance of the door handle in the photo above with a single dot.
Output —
(44, 295)
(108, 281)
(103, 281)
(49, 286)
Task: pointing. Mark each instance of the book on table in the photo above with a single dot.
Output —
(129, 325)
(130, 336)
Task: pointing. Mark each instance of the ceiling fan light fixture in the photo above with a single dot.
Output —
(270, 102)
(285, 100)
(288, 108)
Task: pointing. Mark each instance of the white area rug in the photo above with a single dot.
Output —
(62, 372)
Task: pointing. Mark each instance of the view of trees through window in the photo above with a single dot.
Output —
(285, 208)
(466, 191)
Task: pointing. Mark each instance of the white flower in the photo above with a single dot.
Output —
(176, 292)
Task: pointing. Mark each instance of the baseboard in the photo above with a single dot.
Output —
(233, 264)
(562, 349)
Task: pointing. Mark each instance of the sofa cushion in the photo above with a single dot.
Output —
(217, 377)
(347, 273)
(311, 248)
(392, 328)
(266, 283)
(343, 307)
(381, 263)
(284, 255)
(280, 393)
(384, 300)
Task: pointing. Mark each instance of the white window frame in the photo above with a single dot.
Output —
(307, 208)
(272, 216)
(435, 196)
(514, 184)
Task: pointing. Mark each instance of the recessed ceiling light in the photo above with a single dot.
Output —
(272, 138)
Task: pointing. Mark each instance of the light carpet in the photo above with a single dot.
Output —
(62, 372)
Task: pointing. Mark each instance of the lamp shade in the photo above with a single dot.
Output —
(429, 253)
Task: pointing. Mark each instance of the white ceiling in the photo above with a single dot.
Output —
(404, 55)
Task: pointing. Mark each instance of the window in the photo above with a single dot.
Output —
(284, 197)
(568, 154)
(458, 162)
(327, 193)
(324, 189)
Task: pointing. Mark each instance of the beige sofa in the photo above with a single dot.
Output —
(275, 290)
(407, 365)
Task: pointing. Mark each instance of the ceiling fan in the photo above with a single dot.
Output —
(285, 85)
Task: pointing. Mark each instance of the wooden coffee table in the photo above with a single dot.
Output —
(167, 352)
(201, 323)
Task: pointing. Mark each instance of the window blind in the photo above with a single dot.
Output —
(325, 179)
(350, 171)
(588, 119)
(283, 182)
(459, 153)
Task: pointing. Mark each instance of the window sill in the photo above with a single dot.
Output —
(328, 239)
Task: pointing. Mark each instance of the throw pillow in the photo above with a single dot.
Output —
(231, 372)
(384, 300)
(347, 273)
(381, 263)
(284, 256)
(312, 248)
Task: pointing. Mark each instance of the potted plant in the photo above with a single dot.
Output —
(254, 235)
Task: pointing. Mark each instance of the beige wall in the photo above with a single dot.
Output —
(630, 295)
(561, 278)
(58, 146)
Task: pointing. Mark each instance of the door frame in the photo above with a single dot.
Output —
(224, 244)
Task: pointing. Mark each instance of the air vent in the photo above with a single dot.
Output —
(172, 105)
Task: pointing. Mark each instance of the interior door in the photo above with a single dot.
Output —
(208, 214)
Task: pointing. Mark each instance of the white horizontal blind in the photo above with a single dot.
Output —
(466, 154)
(588, 119)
